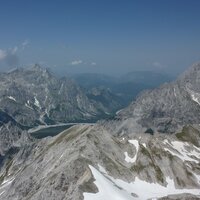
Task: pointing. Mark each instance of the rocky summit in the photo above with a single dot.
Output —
(130, 157)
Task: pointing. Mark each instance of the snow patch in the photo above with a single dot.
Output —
(144, 145)
(194, 95)
(61, 155)
(129, 159)
(28, 105)
(195, 98)
(61, 88)
(107, 190)
(197, 177)
(135, 143)
(175, 92)
(102, 170)
(111, 188)
(11, 98)
(2, 193)
(166, 141)
(37, 103)
(118, 111)
(7, 182)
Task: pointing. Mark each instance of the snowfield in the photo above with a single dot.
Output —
(116, 189)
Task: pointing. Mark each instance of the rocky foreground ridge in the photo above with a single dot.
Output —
(87, 162)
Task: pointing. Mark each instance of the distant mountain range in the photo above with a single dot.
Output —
(35, 96)
(126, 87)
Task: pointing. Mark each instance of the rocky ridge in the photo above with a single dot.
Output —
(165, 109)
(87, 162)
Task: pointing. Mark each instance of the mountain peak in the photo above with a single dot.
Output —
(193, 70)
(196, 66)
(191, 77)
(36, 67)
(41, 70)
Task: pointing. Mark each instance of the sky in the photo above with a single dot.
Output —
(100, 36)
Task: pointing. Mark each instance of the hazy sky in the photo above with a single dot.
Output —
(106, 36)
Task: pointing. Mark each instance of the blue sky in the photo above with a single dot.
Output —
(103, 36)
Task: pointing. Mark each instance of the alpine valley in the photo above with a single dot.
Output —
(148, 150)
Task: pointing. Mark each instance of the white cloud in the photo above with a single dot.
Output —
(76, 62)
(81, 62)
(25, 43)
(9, 56)
(3, 54)
(93, 63)
(14, 50)
(158, 65)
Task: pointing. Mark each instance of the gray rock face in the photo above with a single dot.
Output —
(106, 98)
(87, 162)
(168, 107)
(35, 96)
(12, 134)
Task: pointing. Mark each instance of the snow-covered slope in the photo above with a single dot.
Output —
(111, 188)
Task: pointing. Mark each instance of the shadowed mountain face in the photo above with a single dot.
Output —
(12, 136)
